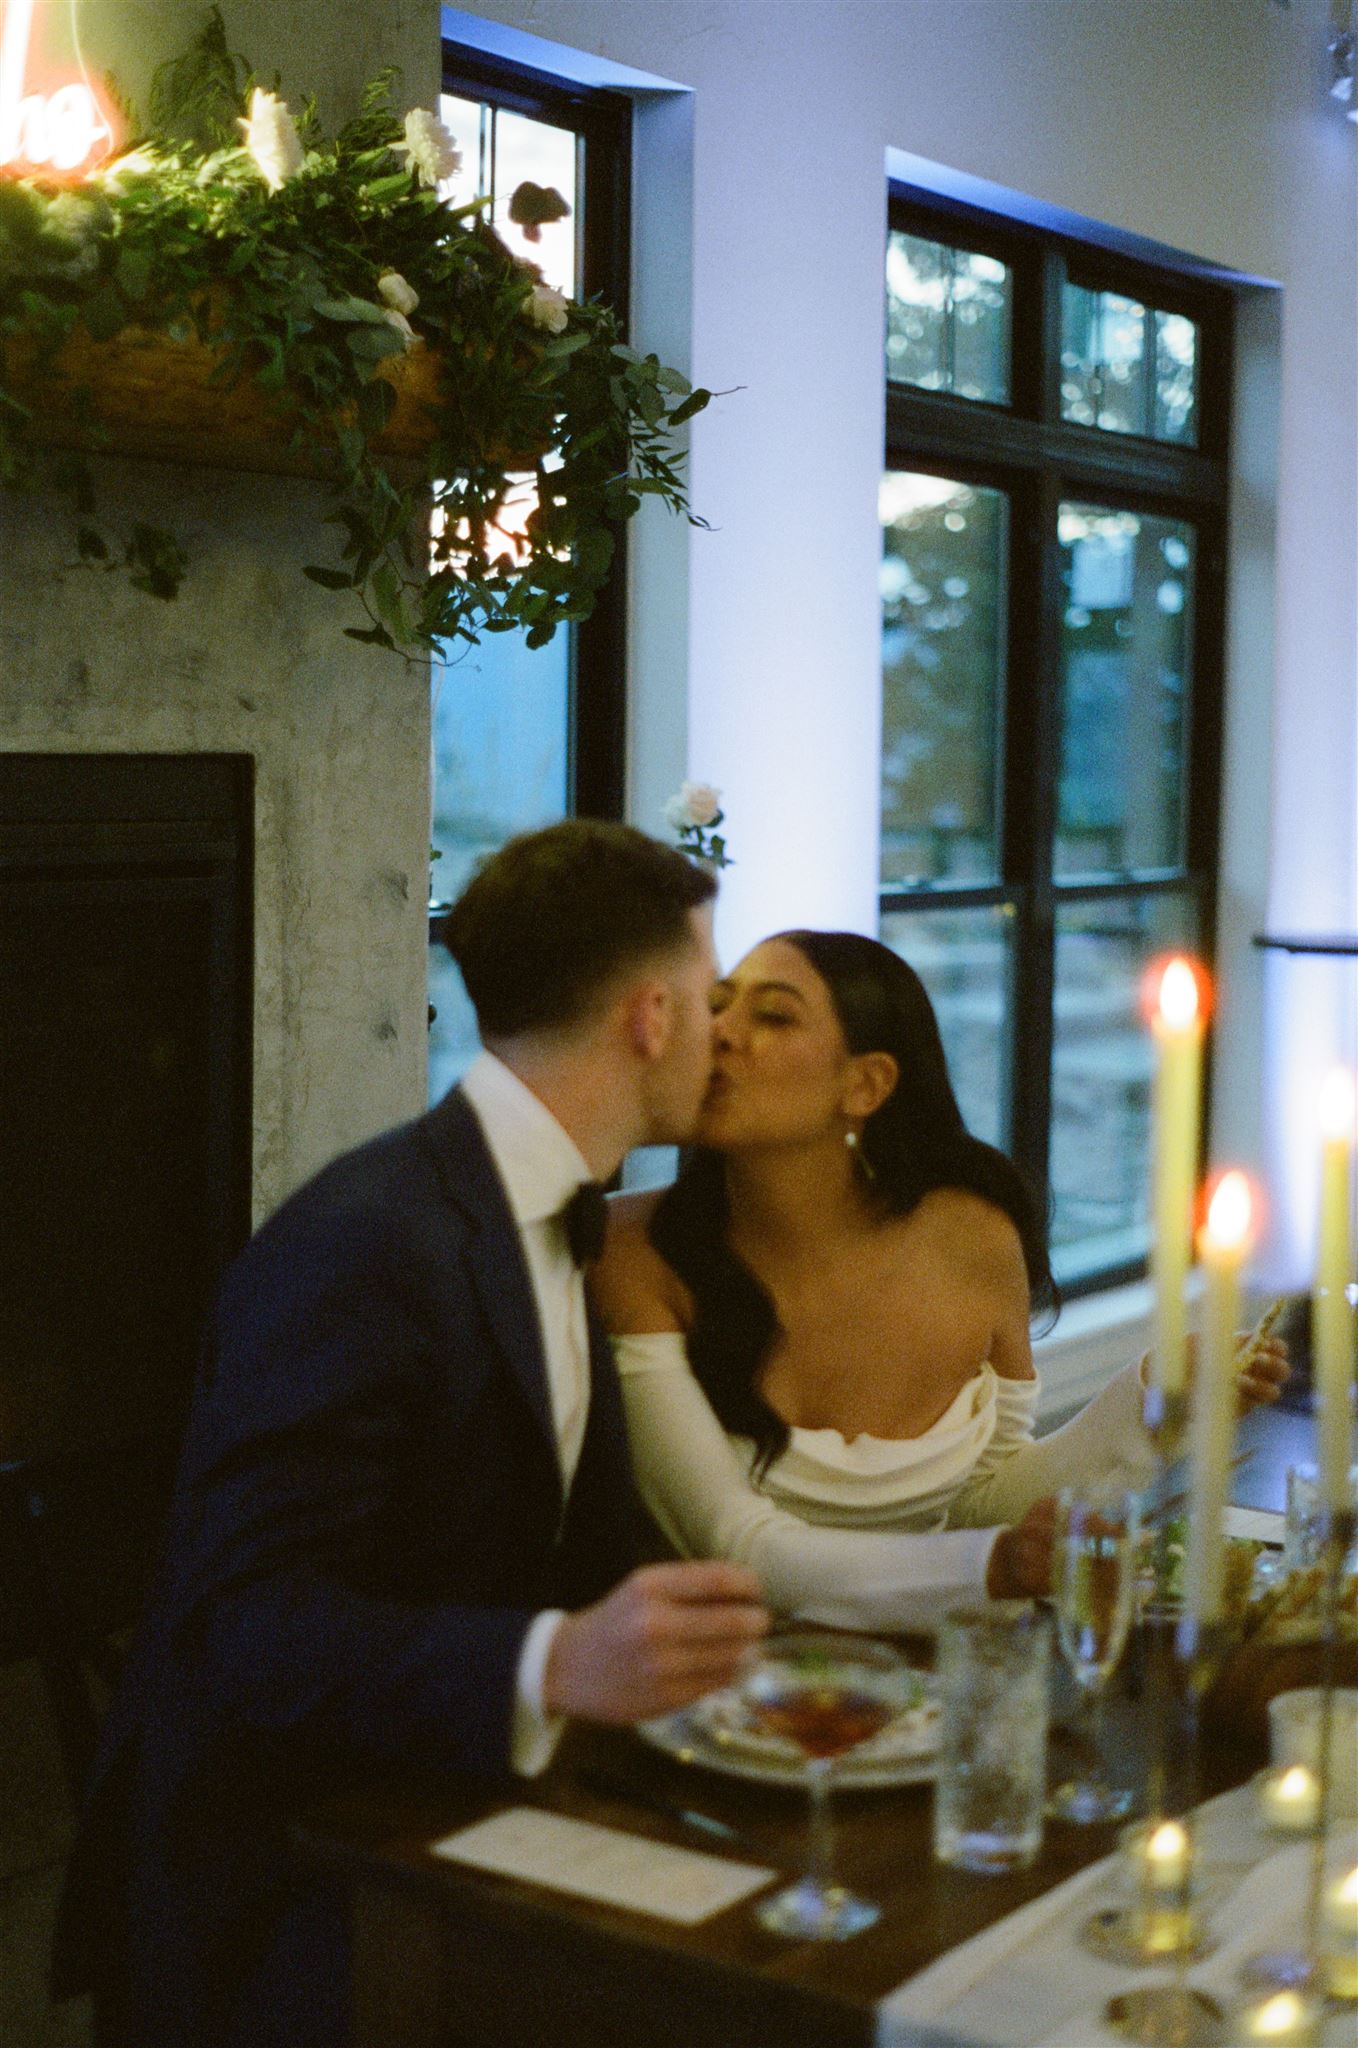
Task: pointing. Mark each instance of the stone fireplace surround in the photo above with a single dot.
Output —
(250, 659)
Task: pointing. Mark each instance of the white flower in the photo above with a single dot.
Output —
(393, 290)
(696, 804)
(403, 327)
(428, 148)
(271, 138)
(73, 222)
(546, 307)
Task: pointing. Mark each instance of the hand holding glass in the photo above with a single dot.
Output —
(826, 1693)
(1094, 1575)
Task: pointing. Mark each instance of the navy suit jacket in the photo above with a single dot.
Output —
(368, 1514)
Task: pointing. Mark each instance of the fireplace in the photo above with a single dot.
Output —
(125, 1021)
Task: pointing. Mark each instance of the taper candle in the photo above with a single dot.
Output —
(1331, 1316)
(1223, 1243)
(1176, 1029)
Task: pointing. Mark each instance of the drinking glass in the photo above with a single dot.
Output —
(826, 1693)
(993, 1667)
(1306, 1522)
(1095, 1573)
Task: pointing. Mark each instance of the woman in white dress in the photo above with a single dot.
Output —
(822, 1328)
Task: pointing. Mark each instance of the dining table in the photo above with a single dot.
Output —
(451, 1953)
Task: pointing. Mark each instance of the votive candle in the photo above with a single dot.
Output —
(1223, 1243)
(1339, 1937)
(1285, 2018)
(1176, 1090)
(1161, 1855)
(1289, 1799)
(1331, 1316)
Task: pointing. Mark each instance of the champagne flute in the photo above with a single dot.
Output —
(825, 1693)
(1095, 1580)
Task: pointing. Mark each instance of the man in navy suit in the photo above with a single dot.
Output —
(404, 1526)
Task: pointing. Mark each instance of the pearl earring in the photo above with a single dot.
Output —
(859, 1156)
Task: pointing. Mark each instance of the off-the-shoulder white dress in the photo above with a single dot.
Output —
(871, 1532)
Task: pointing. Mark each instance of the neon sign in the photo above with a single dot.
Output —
(59, 131)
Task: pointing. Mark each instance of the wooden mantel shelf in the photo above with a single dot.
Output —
(153, 396)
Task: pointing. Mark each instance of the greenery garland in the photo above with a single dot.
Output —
(309, 263)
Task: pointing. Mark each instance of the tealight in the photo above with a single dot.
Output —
(1160, 1854)
(1289, 1799)
(1284, 2018)
(1339, 1937)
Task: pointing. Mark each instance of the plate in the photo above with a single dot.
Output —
(717, 1734)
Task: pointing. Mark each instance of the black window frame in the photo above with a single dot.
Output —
(1039, 459)
(597, 745)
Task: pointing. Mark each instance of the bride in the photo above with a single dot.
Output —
(822, 1327)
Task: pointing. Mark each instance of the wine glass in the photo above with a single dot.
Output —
(825, 1693)
(1095, 1568)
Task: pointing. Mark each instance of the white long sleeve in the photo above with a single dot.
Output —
(696, 1485)
(1105, 1441)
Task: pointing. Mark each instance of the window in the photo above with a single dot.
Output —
(1052, 511)
(520, 736)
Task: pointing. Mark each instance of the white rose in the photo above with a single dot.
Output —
(393, 290)
(546, 307)
(271, 138)
(401, 324)
(701, 802)
(428, 148)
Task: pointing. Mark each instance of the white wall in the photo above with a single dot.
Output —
(1200, 124)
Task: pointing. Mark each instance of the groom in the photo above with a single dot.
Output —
(404, 1524)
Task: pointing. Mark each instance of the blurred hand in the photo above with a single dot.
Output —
(1020, 1565)
(1263, 1374)
(665, 1636)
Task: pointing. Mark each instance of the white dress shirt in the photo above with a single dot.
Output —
(540, 1167)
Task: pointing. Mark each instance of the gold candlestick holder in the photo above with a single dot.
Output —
(1162, 1926)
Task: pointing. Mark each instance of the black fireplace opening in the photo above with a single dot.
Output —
(126, 999)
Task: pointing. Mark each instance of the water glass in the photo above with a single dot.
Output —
(993, 1667)
(1304, 1530)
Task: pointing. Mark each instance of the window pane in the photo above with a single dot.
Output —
(947, 318)
(501, 714)
(1176, 371)
(1126, 369)
(943, 618)
(963, 959)
(1101, 1072)
(501, 720)
(500, 150)
(1126, 655)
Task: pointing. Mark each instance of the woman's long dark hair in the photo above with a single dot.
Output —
(914, 1142)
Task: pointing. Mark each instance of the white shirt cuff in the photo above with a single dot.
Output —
(534, 1734)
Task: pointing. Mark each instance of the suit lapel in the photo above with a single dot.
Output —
(494, 1255)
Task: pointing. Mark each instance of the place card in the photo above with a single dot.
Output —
(603, 1864)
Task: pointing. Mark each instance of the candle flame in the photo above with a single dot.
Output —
(1338, 1103)
(1347, 1890)
(1230, 1211)
(1296, 1783)
(1169, 1840)
(1281, 2014)
(1178, 1001)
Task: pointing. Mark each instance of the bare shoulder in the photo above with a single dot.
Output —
(981, 1244)
(635, 1290)
(975, 1228)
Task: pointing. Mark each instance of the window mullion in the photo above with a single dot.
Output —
(1032, 755)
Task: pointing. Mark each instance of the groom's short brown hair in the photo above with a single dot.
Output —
(553, 918)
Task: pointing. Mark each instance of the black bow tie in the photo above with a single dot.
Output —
(584, 1218)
